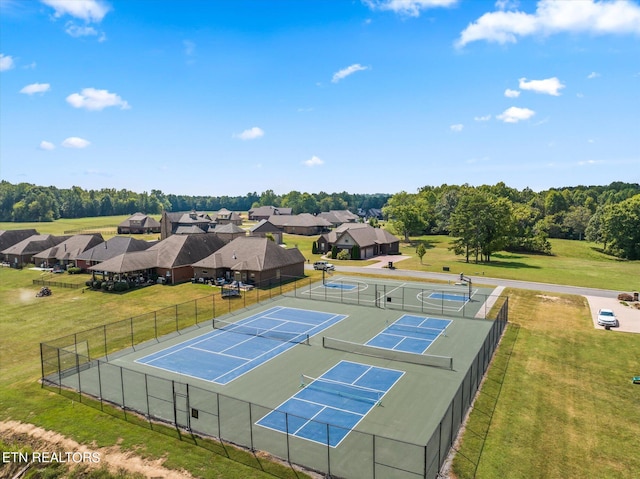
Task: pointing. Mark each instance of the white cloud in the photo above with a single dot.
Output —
(75, 142)
(313, 161)
(408, 7)
(6, 62)
(250, 134)
(36, 88)
(511, 93)
(515, 114)
(345, 72)
(550, 86)
(458, 127)
(92, 99)
(507, 4)
(75, 31)
(87, 10)
(47, 145)
(482, 118)
(593, 75)
(551, 17)
(580, 95)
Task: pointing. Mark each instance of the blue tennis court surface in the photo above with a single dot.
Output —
(345, 287)
(224, 354)
(329, 407)
(449, 297)
(412, 334)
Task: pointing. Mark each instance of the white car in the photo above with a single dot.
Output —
(323, 265)
(606, 317)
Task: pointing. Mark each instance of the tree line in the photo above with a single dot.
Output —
(492, 218)
(24, 202)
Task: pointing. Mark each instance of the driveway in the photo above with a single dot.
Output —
(628, 316)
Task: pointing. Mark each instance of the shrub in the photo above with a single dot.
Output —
(73, 270)
(343, 254)
(89, 284)
(97, 284)
(120, 286)
(104, 286)
(625, 297)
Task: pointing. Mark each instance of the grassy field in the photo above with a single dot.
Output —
(558, 401)
(578, 263)
(25, 321)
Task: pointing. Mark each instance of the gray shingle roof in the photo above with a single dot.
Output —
(113, 247)
(251, 253)
(34, 244)
(10, 237)
(172, 252)
(303, 220)
(70, 248)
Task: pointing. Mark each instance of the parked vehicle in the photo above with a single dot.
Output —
(325, 265)
(606, 317)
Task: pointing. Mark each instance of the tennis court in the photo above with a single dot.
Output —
(446, 298)
(236, 376)
(412, 334)
(326, 409)
(231, 350)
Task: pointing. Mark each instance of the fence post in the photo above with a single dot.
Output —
(104, 334)
(124, 407)
(42, 366)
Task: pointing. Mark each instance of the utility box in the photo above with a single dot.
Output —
(635, 296)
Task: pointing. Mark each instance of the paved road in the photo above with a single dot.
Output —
(508, 283)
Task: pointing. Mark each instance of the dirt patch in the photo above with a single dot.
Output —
(49, 442)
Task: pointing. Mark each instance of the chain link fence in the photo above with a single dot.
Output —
(78, 366)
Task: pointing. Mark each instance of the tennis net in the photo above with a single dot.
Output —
(444, 362)
(350, 391)
(279, 335)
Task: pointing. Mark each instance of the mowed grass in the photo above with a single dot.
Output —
(565, 405)
(577, 263)
(25, 321)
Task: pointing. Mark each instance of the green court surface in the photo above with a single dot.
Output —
(407, 435)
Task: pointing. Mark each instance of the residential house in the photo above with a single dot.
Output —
(251, 260)
(225, 217)
(302, 224)
(370, 241)
(21, 253)
(370, 213)
(10, 237)
(264, 229)
(229, 232)
(65, 254)
(339, 217)
(174, 222)
(168, 260)
(264, 212)
(139, 223)
(109, 249)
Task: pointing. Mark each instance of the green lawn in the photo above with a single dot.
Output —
(558, 401)
(25, 321)
(578, 263)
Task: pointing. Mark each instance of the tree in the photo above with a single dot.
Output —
(408, 214)
(314, 247)
(482, 223)
(334, 252)
(355, 252)
(421, 251)
(577, 220)
(621, 228)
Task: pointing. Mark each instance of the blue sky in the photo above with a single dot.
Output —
(368, 96)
